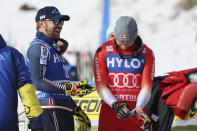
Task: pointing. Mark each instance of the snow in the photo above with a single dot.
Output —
(170, 32)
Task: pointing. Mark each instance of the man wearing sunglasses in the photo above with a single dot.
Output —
(124, 72)
(50, 76)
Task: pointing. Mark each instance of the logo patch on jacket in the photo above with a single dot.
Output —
(43, 57)
(109, 48)
(114, 63)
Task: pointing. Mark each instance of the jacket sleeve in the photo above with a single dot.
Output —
(38, 55)
(147, 80)
(21, 71)
(100, 73)
(24, 85)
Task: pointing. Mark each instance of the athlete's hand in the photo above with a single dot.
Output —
(145, 122)
(139, 111)
(79, 89)
(122, 110)
(83, 122)
(30, 101)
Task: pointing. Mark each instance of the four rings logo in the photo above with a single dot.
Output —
(124, 80)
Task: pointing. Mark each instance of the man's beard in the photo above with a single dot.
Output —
(51, 34)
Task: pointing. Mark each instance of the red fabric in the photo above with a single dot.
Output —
(123, 80)
(108, 121)
(173, 91)
(186, 98)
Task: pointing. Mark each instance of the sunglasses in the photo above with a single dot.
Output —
(56, 22)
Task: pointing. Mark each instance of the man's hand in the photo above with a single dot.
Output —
(83, 122)
(30, 101)
(145, 122)
(138, 111)
(82, 88)
(79, 89)
(122, 110)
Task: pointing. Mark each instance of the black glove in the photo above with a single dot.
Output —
(122, 110)
(63, 44)
(83, 122)
(145, 122)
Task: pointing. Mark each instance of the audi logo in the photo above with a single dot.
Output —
(123, 80)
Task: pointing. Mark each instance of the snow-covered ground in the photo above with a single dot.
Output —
(169, 31)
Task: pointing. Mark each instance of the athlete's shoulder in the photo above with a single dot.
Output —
(13, 50)
(34, 47)
(39, 43)
(148, 52)
(108, 46)
(37, 48)
(146, 49)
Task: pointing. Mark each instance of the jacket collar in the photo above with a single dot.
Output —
(2, 42)
(44, 38)
(48, 40)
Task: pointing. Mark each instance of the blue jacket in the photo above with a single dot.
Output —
(49, 73)
(13, 75)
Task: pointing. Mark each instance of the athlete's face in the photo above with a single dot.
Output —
(124, 46)
(52, 30)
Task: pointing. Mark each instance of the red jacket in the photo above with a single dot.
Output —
(178, 93)
(125, 78)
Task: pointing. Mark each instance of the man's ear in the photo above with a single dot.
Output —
(41, 24)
